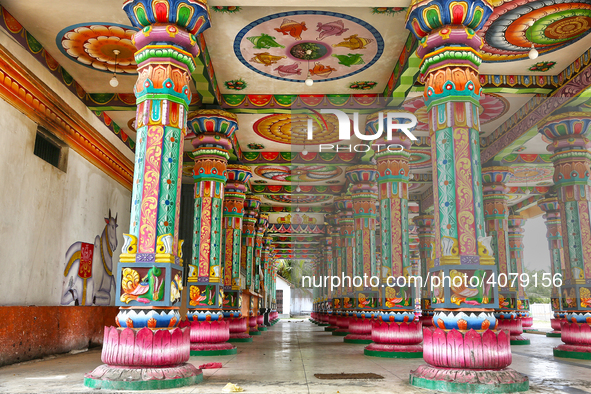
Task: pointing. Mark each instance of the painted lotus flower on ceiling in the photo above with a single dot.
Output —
(93, 45)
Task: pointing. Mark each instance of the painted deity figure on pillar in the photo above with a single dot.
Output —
(465, 297)
(147, 349)
(394, 333)
(557, 265)
(571, 157)
(212, 135)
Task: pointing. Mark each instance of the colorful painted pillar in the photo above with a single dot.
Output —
(424, 225)
(234, 196)
(147, 350)
(496, 214)
(449, 48)
(213, 132)
(345, 222)
(554, 234)
(516, 230)
(251, 214)
(366, 295)
(329, 271)
(572, 160)
(263, 317)
(394, 333)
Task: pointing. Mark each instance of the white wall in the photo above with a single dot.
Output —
(284, 285)
(301, 302)
(44, 210)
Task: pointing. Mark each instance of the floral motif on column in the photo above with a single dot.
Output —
(251, 215)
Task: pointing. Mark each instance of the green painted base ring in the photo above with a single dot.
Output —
(553, 335)
(143, 385)
(521, 342)
(452, 387)
(376, 353)
(324, 324)
(262, 328)
(340, 333)
(240, 340)
(257, 332)
(577, 355)
(224, 352)
(329, 329)
(362, 341)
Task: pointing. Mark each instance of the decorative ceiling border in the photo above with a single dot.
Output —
(34, 47)
(304, 189)
(294, 101)
(26, 92)
(303, 209)
(405, 73)
(204, 75)
(574, 80)
(297, 158)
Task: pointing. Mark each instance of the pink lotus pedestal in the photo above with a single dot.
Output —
(239, 330)
(395, 340)
(144, 360)
(426, 321)
(342, 326)
(577, 341)
(209, 338)
(252, 326)
(527, 323)
(555, 323)
(467, 362)
(323, 320)
(515, 330)
(359, 331)
(332, 321)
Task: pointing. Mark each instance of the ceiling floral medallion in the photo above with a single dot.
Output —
(298, 199)
(236, 84)
(524, 174)
(387, 10)
(363, 85)
(92, 45)
(542, 66)
(226, 10)
(290, 46)
(293, 128)
(294, 173)
(255, 146)
(550, 25)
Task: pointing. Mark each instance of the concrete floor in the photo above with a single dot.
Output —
(285, 358)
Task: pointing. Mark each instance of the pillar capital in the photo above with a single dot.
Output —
(191, 15)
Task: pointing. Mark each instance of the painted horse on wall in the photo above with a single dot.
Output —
(88, 276)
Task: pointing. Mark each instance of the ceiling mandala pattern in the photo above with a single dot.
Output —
(296, 173)
(290, 46)
(298, 199)
(550, 25)
(492, 105)
(293, 129)
(92, 45)
(531, 174)
(420, 159)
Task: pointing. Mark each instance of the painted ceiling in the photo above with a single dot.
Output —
(255, 60)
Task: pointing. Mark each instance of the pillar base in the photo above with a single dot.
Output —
(247, 339)
(213, 349)
(263, 328)
(257, 332)
(573, 351)
(553, 334)
(323, 324)
(108, 377)
(455, 380)
(340, 333)
(519, 340)
(393, 351)
(329, 328)
(358, 338)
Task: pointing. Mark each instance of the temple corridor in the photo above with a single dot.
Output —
(285, 358)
